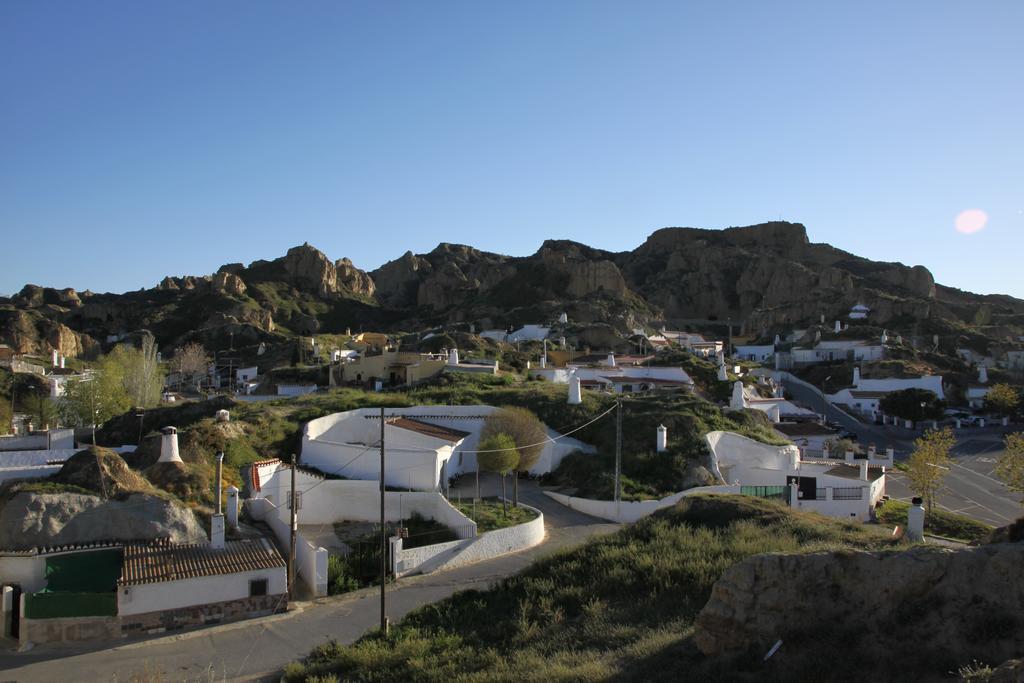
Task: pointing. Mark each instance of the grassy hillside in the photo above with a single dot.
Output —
(273, 429)
(620, 607)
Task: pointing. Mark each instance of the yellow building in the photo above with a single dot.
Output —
(376, 341)
(391, 367)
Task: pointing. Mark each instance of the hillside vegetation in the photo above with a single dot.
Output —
(620, 607)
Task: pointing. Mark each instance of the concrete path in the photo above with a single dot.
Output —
(258, 649)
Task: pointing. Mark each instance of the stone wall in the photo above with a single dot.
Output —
(69, 629)
(201, 615)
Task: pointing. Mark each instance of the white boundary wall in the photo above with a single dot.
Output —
(310, 560)
(442, 556)
(326, 501)
(628, 511)
(29, 458)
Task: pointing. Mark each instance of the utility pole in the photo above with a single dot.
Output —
(383, 538)
(618, 450)
(295, 529)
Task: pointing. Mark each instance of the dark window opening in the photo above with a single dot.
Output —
(257, 587)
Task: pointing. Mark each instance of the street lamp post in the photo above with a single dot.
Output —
(824, 403)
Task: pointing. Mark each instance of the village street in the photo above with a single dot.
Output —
(258, 649)
(969, 488)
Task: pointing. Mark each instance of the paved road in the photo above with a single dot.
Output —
(970, 488)
(258, 649)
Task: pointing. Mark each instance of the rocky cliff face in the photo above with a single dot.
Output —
(309, 270)
(955, 606)
(758, 276)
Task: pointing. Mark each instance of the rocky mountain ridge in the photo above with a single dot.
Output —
(758, 276)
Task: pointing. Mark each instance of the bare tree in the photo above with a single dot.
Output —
(191, 362)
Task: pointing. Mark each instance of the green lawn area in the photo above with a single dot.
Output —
(937, 521)
(490, 514)
(620, 607)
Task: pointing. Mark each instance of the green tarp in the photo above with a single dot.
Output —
(54, 605)
(91, 572)
(78, 585)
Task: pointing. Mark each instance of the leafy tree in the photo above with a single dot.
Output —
(141, 374)
(6, 392)
(498, 453)
(929, 463)
(42, 410)
(913, 404)
(1010, 467)
(528, 437)
(1002, 399)
(95, 398)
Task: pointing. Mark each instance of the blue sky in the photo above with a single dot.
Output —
(139, 140)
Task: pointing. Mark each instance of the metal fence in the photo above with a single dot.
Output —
(848, 493)
(773, 492)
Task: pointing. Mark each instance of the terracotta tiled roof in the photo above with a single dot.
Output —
(159, 562)
(428, 429)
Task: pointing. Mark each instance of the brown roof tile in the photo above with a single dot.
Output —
(162, 561)
(428, 429)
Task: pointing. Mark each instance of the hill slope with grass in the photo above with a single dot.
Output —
(621, 607)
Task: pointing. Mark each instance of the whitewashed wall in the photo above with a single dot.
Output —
(627, 512)
(310, 560)
(26, 458)
(155, 597)
(325, 501)
(20, 473)
(28, 571)
(324, 438)
(444, 556)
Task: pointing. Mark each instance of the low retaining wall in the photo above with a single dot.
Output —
(486, 546)
(203, 615)
(68, 629)
(629, 511)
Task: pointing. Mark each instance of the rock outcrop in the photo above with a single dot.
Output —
(958, 604)
(30, 520)
(228, 283)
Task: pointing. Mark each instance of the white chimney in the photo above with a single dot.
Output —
(62, 362)
(723, 376)
(856, 377)
(575, 390)
(885, 336)
(777, 340)
(222, 416)
(611, 360)
(564, 318)
(453, 357)
(169, 445)
(794, 459)
(232, 507)
(915, 521)
(825, 451)
(662, 438)
(863, 470)
(738, 402)
(838, 327)
(849, 456)
(217, 520)
(55, 355)
(775, 414)
(982, 374)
